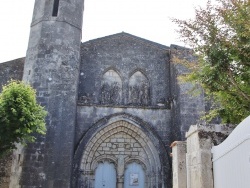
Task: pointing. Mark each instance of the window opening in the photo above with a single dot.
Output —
(55, 8)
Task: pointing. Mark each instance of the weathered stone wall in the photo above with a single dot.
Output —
(52, 68)
(179, 170)
(188, 107)
(124, 75)
(123, 59)
(162, 103)
(158, 119)
(5, 171)
(120, 75)
(137, 142)
(192, 160)
(124, 54)
(11, 70)
(120, 144)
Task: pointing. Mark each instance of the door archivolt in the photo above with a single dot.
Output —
(123, 143)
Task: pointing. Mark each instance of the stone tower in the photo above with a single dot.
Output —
(52, 68)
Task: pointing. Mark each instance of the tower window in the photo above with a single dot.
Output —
(55, 8)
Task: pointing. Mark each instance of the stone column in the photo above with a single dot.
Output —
(179, 164)
(120, 171)
(199, 158)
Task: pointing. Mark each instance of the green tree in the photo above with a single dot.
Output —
(220, 37)
(20, 116)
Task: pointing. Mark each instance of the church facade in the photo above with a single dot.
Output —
(114, 104)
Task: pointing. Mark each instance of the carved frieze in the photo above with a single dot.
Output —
(110, 93)
(111, 88)
(86, 98)
(139, 91)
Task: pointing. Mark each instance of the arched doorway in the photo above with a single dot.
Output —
(134, 176)
(105, 175)
(125, 144)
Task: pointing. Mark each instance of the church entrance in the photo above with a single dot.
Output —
(105, 175)
(134, 176)
(120, 155)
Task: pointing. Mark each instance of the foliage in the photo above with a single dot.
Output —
(20, 116)
(220, 37)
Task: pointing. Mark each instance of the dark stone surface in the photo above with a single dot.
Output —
(125, 54)
(187, 107)
(52, 68)
(5, 170)
(167, 115)
(150, 129)
(11, 70)
(171, 109)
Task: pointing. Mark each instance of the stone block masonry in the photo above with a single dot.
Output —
(179, 164)
(122, 143)
(11, 70)
(5, 171)
(192, 160)
(52, 68)
(114, 99)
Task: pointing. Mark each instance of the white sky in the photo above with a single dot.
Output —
(148, 19)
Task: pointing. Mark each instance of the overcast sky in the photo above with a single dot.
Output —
(149, 19)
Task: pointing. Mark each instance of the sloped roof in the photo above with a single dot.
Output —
(128, 36)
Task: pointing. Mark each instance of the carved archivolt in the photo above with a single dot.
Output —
(111, 88)
(102, 159)
(120, 143)
(138, 160)
(138, 89)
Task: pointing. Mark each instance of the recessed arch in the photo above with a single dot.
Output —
(103, 158)
(134, 176)
(111, 75)
(113, 68)
(139, 70)
(138, 160)
(119, 126)
(111, 88)
(119, 130)
(105, 175)
(139, 89)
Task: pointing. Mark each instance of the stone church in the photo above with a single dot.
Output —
(114, 105)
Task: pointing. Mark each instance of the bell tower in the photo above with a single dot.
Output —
(52, 68)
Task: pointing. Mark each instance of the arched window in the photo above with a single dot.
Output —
(111, 88)
(138, 89)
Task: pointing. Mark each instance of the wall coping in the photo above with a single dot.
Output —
(225, 129)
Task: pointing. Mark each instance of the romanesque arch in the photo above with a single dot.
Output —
(120, 142)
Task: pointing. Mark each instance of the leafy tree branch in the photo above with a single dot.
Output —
(20, 116)
(220, 37)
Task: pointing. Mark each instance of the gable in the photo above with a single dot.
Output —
(125, 36)
(125, 54)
